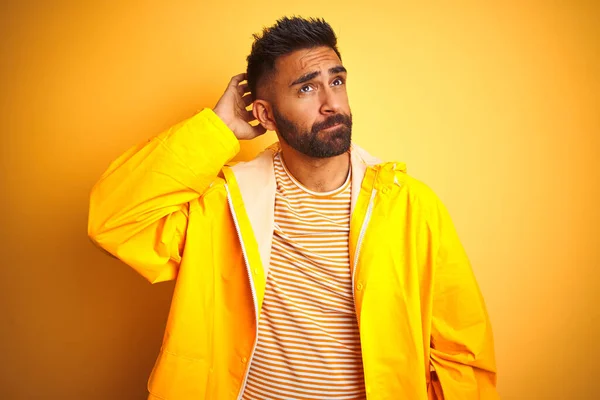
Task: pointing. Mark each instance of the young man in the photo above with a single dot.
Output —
(312, 272)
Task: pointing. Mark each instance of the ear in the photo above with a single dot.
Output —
(261, 109)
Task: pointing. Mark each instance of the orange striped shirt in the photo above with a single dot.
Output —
(308, 341)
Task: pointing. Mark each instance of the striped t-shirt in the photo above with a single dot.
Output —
(308, 342)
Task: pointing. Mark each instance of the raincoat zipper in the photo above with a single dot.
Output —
(361, 235)
(254, 301)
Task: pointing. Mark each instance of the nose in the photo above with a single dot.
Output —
(331, 101)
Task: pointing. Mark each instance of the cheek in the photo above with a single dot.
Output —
(344, 99)
(304, 114)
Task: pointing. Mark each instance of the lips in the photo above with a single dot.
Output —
(333, 123)
(331, 127)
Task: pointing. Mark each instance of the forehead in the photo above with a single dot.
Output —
(299, 62)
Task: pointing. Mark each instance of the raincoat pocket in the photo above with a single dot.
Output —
(178, 377)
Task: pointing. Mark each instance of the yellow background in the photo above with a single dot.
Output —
(495, 105)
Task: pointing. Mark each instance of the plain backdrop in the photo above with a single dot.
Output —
(495, 105)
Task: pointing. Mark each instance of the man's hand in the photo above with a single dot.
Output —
(231, 108)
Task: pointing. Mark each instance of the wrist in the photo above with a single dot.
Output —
(222, 117)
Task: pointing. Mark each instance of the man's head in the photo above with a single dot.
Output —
(296, 77)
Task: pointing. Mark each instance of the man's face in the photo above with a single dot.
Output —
(310, 103)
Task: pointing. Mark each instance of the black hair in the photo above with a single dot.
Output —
(286, 36)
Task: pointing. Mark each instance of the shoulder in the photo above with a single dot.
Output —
(410, 190)
(395, 172)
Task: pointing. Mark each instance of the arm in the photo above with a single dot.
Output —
(462, 349)
(139, 208)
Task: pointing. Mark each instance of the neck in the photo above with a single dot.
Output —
(316, 174)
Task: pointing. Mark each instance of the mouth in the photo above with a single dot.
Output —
(332, 127)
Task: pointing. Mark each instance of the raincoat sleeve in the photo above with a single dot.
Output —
(462, 350)
(139, 208)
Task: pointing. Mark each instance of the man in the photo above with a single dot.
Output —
(312, 272)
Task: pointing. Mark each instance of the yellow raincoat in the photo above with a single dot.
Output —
(171, 208)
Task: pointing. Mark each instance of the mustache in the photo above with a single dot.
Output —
(331, 121)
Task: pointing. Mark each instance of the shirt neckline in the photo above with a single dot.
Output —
(331, 193)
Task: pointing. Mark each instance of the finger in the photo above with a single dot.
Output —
(241, 105)
(237, 79)
(247, 100)
(259, 129)
(250, 116)
(243, 88)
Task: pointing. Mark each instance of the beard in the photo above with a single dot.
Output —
(315, 143)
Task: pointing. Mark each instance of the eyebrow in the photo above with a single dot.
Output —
(312, 75)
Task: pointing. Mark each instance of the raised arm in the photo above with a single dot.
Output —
(139, 208)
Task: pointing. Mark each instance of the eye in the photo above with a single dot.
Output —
(337, 82)
(306, 89)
